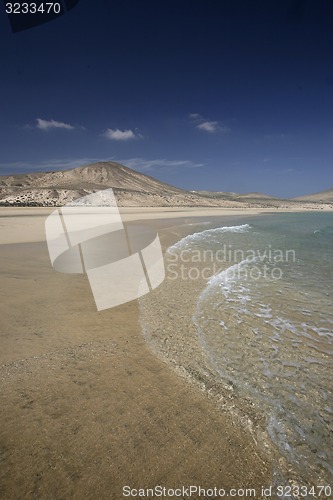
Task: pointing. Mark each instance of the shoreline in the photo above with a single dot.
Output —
(175, 341)
(180, 349)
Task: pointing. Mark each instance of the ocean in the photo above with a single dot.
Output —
(263, 323)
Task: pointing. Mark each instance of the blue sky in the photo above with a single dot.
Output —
(220, 95)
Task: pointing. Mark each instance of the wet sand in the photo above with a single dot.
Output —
(86, 406)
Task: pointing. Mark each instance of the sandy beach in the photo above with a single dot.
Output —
(86, 405)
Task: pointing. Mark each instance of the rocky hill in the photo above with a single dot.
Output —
(131, 188)
(322, 197)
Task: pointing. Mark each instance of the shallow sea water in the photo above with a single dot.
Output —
(264, 321)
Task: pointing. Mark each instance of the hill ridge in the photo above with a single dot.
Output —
(132, 188)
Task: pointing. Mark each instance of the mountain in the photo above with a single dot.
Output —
(130, 187)
(321, 197)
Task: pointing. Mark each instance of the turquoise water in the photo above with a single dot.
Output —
(265, 323)
(246, 308)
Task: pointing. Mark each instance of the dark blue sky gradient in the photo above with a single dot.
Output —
(259, 72)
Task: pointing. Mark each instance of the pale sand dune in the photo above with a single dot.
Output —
(85, 406)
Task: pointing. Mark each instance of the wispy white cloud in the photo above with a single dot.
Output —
(52, 124)
(140, 164)
(160, 164)
(119, 135)
(277, 170)
(68, 163)
(47, 165)
(207, 125)
(195, 116)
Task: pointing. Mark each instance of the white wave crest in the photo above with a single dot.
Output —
(202, 235)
